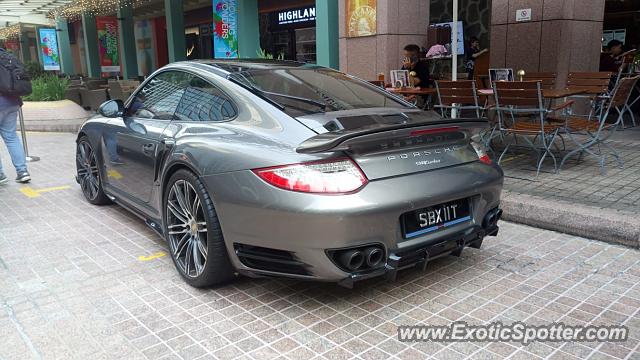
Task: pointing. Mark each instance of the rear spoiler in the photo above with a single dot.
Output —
(342, 140)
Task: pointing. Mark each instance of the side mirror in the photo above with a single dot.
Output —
(111, 109)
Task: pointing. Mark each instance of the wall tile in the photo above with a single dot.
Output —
(342, 43)
(498, 46)
(408, 15)
(594, 11)
(523, 46)
(499, 11)
(387, 16)
(342, 13)
(359, 60)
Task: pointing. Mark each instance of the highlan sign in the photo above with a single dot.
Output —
(295, 16)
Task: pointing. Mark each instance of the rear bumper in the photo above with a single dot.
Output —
(420, 256)
(255, 214)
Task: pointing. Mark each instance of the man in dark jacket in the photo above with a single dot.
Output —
(9, 106)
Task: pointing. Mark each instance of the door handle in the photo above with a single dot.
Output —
(149, 149)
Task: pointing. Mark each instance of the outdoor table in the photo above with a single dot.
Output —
(546, 93)
(409, 91)
(412, 91)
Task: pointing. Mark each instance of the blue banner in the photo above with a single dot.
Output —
(49, 48)
(225, 29)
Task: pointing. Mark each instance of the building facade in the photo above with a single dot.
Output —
(534, 35)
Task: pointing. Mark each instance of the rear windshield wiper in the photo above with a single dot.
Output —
(267, 94)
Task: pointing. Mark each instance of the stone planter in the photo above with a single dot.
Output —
(60, 116)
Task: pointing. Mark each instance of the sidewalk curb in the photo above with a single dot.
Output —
(586, 221)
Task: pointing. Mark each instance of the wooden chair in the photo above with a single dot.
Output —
(521, 112)
(593, 83)
(599, 131)
(458, 95)
(595, 86)
(547, 79)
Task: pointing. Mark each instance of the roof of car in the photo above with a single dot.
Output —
(238, 65)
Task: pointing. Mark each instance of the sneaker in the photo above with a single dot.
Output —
(23, 177)
(3, 178)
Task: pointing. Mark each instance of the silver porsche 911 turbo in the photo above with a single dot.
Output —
(273, 168)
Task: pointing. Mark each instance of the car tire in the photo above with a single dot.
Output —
(88, 173)
(179, 223)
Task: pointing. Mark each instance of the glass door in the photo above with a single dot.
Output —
(306, 45)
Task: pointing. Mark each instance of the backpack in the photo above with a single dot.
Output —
(14, 80)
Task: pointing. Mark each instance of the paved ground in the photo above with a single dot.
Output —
(78, 281)
(618, 189)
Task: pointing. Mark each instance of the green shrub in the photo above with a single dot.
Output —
(47, 88)
(263, 54)
(34, 69)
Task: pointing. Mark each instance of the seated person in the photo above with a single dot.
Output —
(612, 59)
(418, 70)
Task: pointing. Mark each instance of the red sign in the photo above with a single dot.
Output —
(108, 44)
(12, 45)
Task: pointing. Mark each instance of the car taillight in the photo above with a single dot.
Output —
(482, 153)
(326, 177)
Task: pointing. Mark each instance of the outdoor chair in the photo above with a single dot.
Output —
(92, 99)
(547, 79)
(458, 95)
(597, 132)
(522, 114)
(95, 84)
(73, 94)
(595, 86)
(115, 91)
(626, 70)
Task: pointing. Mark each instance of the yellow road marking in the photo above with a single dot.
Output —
(152, 256)
(114, 174)
(33, 193)
(512, 158)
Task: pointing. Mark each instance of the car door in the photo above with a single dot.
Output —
(132, 143)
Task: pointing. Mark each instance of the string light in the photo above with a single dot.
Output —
(10, 32)
(73, 11)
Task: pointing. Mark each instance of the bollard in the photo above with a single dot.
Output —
(23, 132)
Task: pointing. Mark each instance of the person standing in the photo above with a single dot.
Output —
(471, 54)
(13, 83)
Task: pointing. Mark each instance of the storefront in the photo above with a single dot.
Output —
(288, 29)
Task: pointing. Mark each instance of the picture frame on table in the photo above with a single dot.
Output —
(399, 78)
(501, 75)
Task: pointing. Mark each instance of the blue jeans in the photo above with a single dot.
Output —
(8, 118)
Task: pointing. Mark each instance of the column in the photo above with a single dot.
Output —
(127, 42)
(38, 42)
(24, 47)
(91, 45)
(562, 36)
(64, 47)
(175, 30)
(327, 46)
(248, 29)
(398, 23)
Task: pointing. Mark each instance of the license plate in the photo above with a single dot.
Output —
(433, 218)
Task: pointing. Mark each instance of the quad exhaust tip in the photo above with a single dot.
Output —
(358, 259)
(352, 259)
(373, 256)
(492, 217)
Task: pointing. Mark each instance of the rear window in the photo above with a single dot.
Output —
(308, 90)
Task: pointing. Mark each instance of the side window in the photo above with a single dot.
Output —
(202, 101)
(159, 98)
